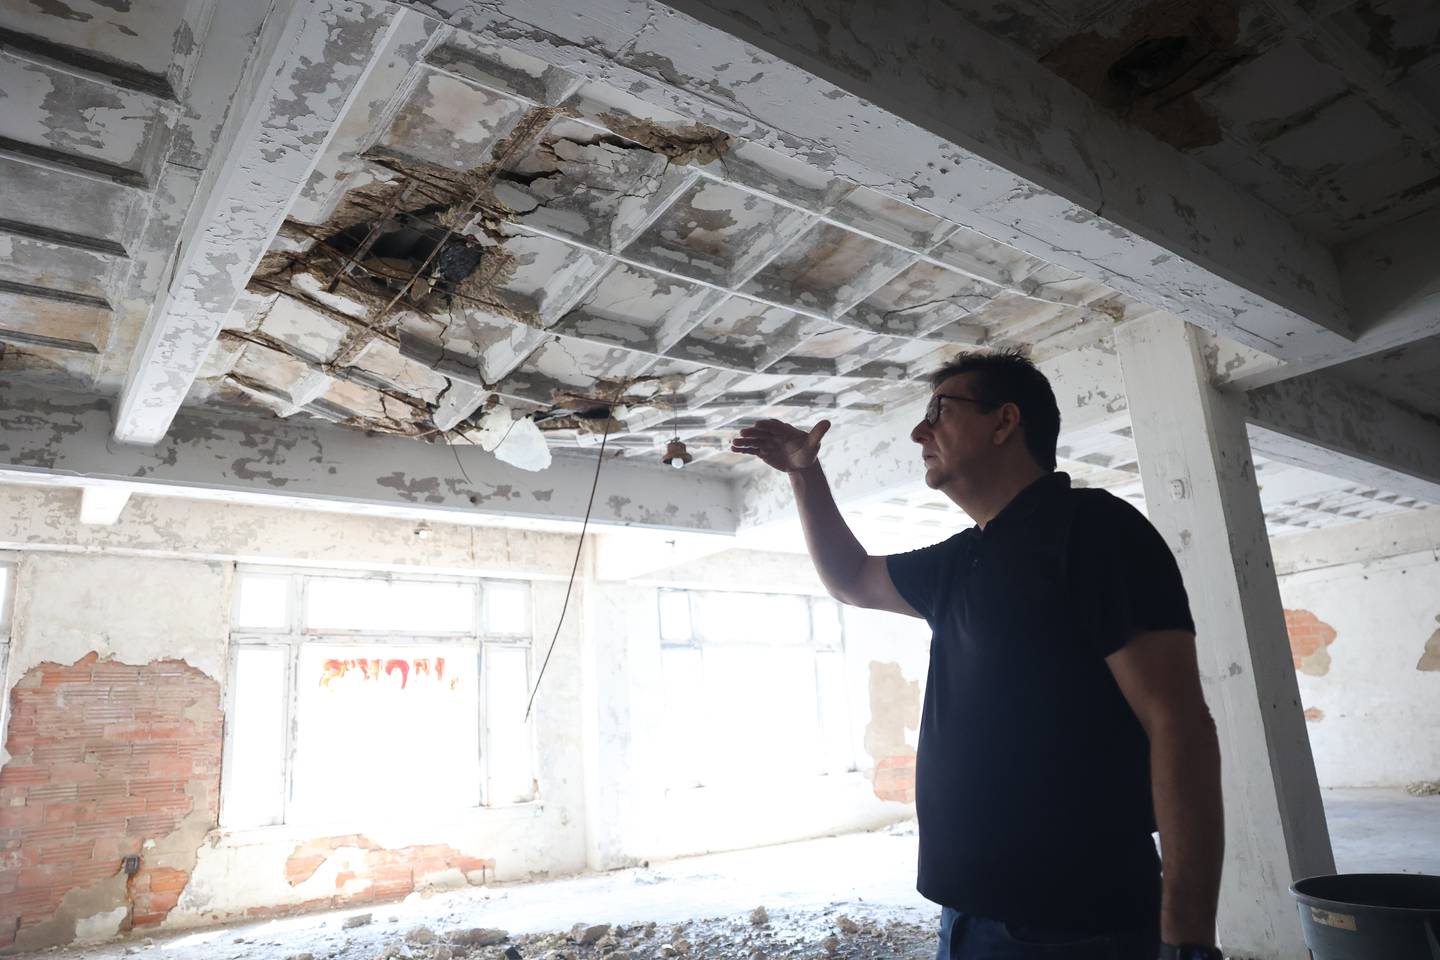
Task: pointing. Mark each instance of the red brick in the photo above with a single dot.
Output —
(107, 752)
(43, 875)
(85, 874)
(171, 766)
(112, 827)
(150, 826)
(103, 790)
(73, 773)
(52, 792)
(69, 812)
(77, 852)
(59, 752)
(156, 787)
(50, 832)
(26, 816)
(166, 879)
(128, 807)
(14, 775)
(34, 900)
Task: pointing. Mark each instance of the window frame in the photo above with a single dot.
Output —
(296, 635)
(10, 563)
(697, 643)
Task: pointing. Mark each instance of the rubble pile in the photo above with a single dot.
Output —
(759, 935)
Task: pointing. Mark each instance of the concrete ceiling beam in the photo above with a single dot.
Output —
(102, 505)
(977, 132)
(1324, 423)
(60, 438)
(283, 115)
(1391, 282)
(878, 461)
(1365, 542)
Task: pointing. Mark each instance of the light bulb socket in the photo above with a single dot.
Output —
(675, 454)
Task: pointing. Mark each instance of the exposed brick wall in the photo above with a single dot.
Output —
(895, 778)
(369, 872)
(104, 757)
(1309, 639)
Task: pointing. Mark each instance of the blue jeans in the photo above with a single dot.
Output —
(964, 936)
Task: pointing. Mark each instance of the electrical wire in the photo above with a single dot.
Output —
(599, 461)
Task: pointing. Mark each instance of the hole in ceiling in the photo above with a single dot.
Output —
(1151, 64)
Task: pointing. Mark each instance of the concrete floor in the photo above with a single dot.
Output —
(1383, 831)
(806, 887)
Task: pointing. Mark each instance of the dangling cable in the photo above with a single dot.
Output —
(576, 566)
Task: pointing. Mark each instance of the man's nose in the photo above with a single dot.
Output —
(922, 429)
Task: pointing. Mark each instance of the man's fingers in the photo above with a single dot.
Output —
(819, 430)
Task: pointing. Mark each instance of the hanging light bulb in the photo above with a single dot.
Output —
(676, 455)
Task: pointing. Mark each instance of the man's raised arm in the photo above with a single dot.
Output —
(850, 574)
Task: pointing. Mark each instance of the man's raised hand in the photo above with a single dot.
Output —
(780, 445)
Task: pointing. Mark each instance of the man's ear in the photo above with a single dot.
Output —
(1009, 423)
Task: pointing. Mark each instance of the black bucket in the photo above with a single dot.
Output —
(1370, 916)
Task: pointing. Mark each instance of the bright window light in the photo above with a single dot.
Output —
(373, 605)
(263, 602)
(760, 712)
(684, 731)
(837, 751)
(765, 618)
(384, 729)
(255, 766)
(825, 616)
(507, 689)
(759, 690)
(507, 608)
(674, 616)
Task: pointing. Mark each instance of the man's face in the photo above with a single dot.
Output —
(959, 442)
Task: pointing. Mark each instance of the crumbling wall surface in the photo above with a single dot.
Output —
(1364, 639)
(272, 871)
(108, 760)
(116, 666)
(112, 744)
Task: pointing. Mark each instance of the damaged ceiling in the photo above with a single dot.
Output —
(485, 230)
(1327, 111)
(481, 247)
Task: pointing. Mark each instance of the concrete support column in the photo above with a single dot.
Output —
(1200, 490)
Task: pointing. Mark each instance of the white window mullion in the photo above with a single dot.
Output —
(368, 628)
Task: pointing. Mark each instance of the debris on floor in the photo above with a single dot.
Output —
(783, 935)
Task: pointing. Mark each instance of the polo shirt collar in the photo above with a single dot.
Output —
(1028, 500)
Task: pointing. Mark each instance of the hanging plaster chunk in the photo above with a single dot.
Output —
(525, 447)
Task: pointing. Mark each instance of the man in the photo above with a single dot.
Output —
(1063, 716)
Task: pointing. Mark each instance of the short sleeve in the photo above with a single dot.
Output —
(1139, 586)
(920, 575)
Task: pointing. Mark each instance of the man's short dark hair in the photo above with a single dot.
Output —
(1008, 376)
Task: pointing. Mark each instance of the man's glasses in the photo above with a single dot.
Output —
(932, 410)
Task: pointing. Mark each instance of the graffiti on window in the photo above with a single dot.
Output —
(375, 669)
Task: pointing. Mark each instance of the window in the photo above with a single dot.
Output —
(355, 696)
(754, 686)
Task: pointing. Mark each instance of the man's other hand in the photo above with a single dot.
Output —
(780, 445)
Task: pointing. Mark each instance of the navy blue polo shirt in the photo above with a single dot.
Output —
(1032, 781)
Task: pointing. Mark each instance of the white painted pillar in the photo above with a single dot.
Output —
(1201, 494)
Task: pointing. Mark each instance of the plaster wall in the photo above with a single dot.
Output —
(1365, 638)
(156, 589)
(636, 813)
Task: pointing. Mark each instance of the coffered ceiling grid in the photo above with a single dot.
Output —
(501, 231)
